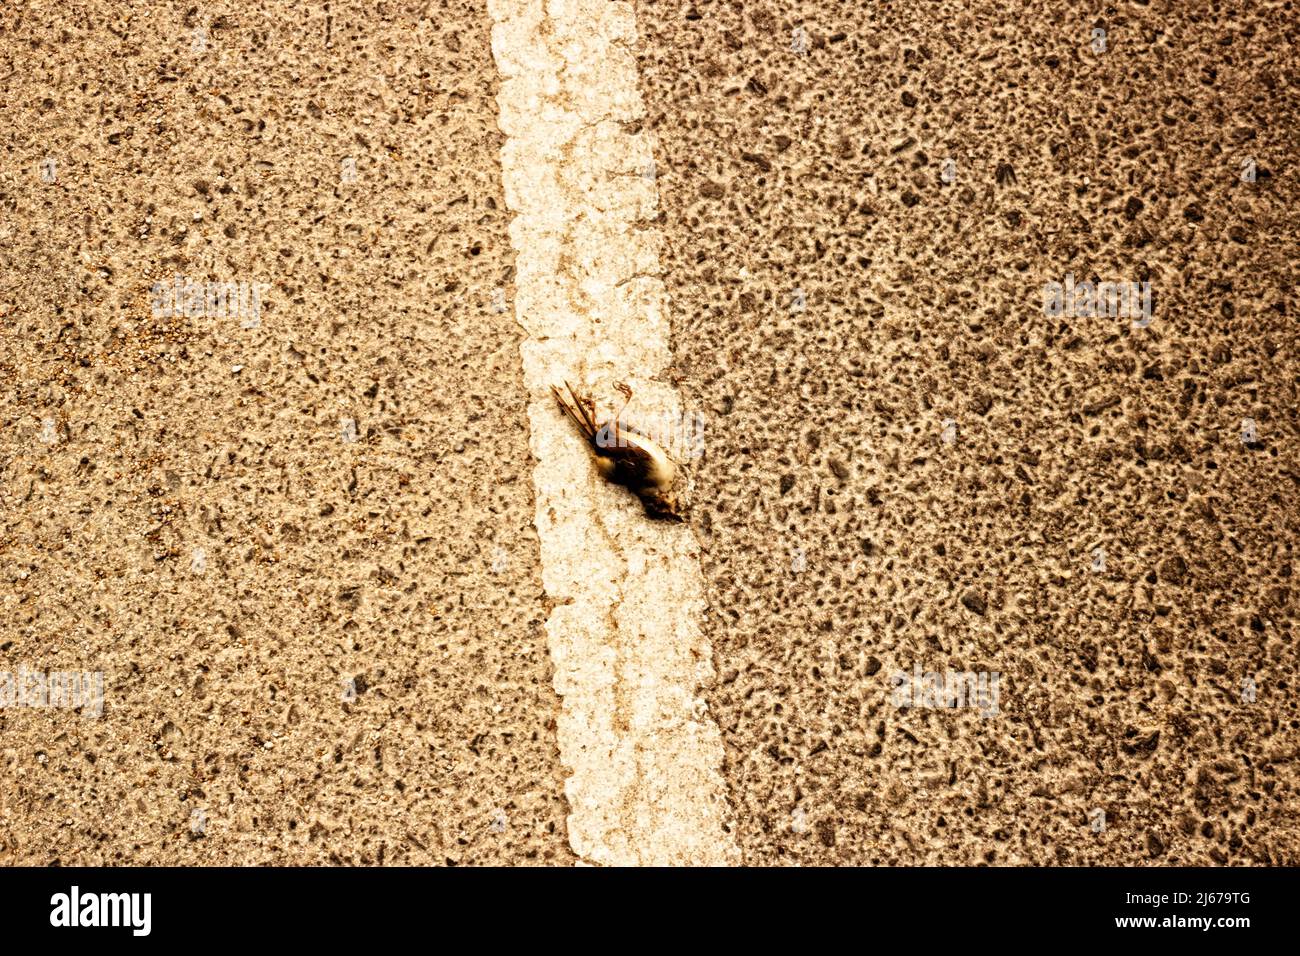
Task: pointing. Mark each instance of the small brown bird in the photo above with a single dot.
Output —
(624, 455)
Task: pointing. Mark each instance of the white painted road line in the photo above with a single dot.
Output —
(624, 635)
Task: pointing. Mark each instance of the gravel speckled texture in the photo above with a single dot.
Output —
(846, 539)
(398, 571)
(302, 548)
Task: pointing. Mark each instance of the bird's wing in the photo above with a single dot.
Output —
(577, 414)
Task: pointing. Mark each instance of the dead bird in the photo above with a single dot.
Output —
(626, 456)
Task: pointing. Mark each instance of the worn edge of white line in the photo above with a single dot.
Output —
(629, 655)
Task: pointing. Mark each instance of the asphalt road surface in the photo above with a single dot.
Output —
(976, 568)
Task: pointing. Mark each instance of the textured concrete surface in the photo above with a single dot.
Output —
(355, 669)
(312, 550)
(847, 537)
